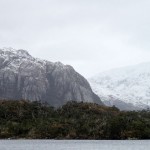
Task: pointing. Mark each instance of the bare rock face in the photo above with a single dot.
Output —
(25, 77)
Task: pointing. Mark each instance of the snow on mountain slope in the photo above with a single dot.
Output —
(25, 77)
(128, 84)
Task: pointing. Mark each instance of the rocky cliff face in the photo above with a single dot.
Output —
(25, 77)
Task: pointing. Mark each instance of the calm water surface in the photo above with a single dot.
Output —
(73, 145)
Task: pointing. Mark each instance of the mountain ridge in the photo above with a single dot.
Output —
(25, 77)
(128, 84)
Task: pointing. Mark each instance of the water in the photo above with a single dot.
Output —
(73, 145)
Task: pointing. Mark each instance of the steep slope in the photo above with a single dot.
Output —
(25, 77)
(130, 85)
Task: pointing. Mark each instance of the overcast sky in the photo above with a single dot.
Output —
(91, 35)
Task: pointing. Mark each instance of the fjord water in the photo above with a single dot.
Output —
(74, 145)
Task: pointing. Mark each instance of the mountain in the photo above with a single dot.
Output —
(25, 77)
(113, 101)
(127, 86)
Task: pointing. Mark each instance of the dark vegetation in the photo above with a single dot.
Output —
(33, 120)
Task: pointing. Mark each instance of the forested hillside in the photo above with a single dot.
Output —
(33, 120)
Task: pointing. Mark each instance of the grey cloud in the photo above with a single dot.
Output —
(93, 36)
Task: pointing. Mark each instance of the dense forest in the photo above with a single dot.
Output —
(33, 120)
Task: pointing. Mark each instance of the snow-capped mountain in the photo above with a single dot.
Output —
(129, 85)
(25, 77)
